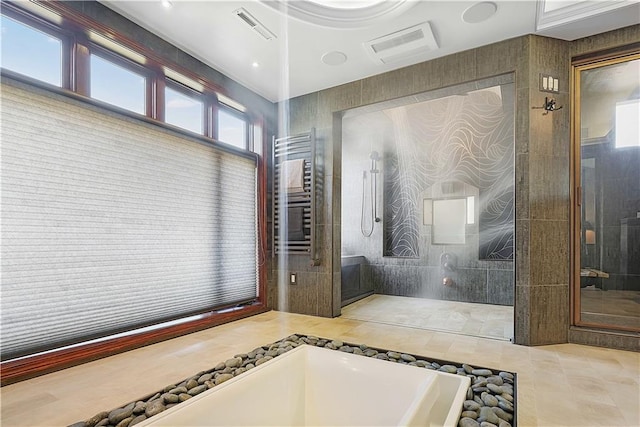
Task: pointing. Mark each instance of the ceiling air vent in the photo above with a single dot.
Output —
(402, 44)
(255, 25)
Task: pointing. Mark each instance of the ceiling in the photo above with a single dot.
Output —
(302, 33)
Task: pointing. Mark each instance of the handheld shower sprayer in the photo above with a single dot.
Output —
(374, 156)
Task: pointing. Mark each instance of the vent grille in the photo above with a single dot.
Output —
(398, 41)
(242, 14)
(402, 44)
(255, 25)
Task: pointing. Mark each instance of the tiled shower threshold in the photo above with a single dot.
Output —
(462, 318)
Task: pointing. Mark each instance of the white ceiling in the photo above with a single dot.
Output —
(290, 64)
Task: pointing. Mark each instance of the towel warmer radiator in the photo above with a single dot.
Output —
(301, 146)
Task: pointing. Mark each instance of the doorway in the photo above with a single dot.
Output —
(428, 210)
(606, 182)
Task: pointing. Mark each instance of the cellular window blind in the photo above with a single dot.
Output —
(110, 223)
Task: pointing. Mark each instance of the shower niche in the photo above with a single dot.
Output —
(449, 208)
(445, 185)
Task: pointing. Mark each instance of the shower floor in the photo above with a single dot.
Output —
(480, 320)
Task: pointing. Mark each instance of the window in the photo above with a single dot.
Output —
(183, 110)
(232, 128)
(39, 46)
(117, 85)
(127, 216)
(31, 52)
(627, 127)
(136, 179)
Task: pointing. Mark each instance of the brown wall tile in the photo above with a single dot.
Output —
(607, 40)
(548, 188)
(389, 85)
(522, 309)
(324, 299)
(620, 340)
(459, 67)
(549, 253)
(502, 56)
(522, 121)
(303, 297)
(522, 186)
(522, 257)
(426, 76)
(549, 314)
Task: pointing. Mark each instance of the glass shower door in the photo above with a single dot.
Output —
(607, 214)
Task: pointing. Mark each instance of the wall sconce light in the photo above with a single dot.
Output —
(590, 237)
(589, 234)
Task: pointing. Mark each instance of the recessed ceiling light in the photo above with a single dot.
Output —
(167, 4)
(479, 12)
(255, 64)
(334, 58)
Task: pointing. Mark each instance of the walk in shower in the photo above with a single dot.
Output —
(428, 197)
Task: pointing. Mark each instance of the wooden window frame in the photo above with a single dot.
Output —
(238, 114)
(189, 93)
(128, 65)
(66, 44)
(75, 84)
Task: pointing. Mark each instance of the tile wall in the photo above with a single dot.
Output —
(541, 166)
(542, 147)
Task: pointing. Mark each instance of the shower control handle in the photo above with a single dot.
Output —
(448, 281)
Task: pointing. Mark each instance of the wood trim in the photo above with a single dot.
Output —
(155, 97)
(574, 196)
(605, 55)
(40, 364)
(82, 79)
(263, 255)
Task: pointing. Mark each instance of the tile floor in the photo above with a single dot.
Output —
(614, 307)
(558, 385)
(481, 320)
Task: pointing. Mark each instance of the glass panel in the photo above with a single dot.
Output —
(428, 200)
(232, 129)
(117, 85)
(183, 111)
(610, 181)
(33, 53)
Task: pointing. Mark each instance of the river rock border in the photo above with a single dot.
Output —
(491, 398)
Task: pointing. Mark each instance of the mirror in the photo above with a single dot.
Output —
(449, 206)
(449, 221)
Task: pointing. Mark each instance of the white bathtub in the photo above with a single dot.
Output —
(311, 386)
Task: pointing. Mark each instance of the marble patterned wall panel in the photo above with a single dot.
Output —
(462, 139)
(467, 139)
